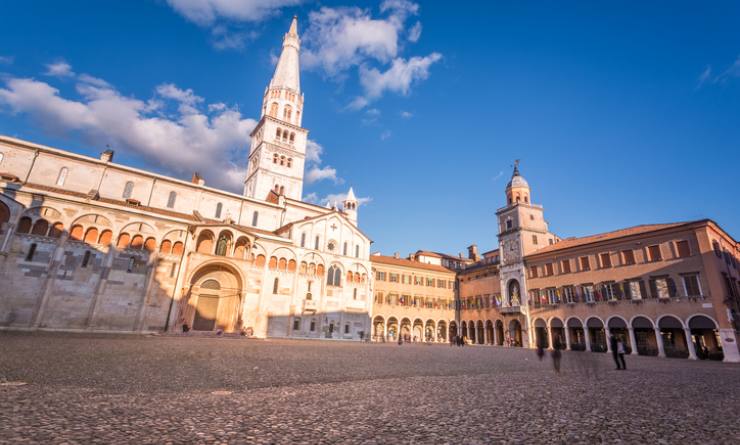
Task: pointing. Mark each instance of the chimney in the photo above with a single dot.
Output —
(107, 155)
(197, 179)
(396, 255)
(473, 252)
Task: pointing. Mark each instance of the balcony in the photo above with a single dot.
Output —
(511, 310)
(309, 306)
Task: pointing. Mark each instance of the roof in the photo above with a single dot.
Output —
(440, 255)
(392, 261)
(573, 242)
(287, 226)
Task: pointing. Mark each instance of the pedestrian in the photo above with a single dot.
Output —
(540, 349)
(620, 354)
(400, 340)
(613, 342)
(557, 346)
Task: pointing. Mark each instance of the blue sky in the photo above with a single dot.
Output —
(622, 113)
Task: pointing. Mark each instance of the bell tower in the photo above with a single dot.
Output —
(278, 142)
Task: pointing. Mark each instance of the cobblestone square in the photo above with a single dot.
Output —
(132, 389)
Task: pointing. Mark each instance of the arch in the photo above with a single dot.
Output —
(178, 248)
(645, 339)
(214, 298)
(137, 242)
(105, 237)
(675, 343)
(91, 236)
(616, 321)
(259, 261)
(24, 225)
(499, 332)
(701, 321)
(56, 229)
(515, 333)
(334, 276)
(480, 332)
(452, 329)
(642, 322)
(273, 109)
(166, 247)
(223, 245)
(704, 336)
(574, 322)
(490, 335)
(76, 232)
(392, 328)
(123, 241)
(291, 265)
(40, 227)
(513, 292)
(670, 321)
(282, 264)
(150, 244)
(205, 242)
(595, 329)
(4, 214)
(540, 330)
(441, 330)
(272, 264)
(241, 248)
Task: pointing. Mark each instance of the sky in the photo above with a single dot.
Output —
(622, 113)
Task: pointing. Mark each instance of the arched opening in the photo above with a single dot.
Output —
(453, 330)
(166, 247)
(464, 330)
(205, 242)
(418, 332)
(76, 232)
(241, 248)
(378, 329)
(392, 328)
(24, 225)
(56, 230)
(405, 330)
(596, 334)
(471, 332)
(4, 216)
(441, 331)
(40, 227)
(150, 244)
(214, 299)
(705, 335)
(644, 336)
(576, 335)
(223, 245)
(540, 333)
(105, 237)
(618, 328)
(557, 332)
(479, 334)
(515, 333)
(489, 332)
(429, 331)
(178, 248)
(513, 293)
(334, 276)
(674, 339)
(123, 240)
(137, 242)
(91, 236)
(499, 332)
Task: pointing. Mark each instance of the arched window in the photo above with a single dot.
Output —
(222, 246)
(292, 137)
(344, 249)
(241, 248)
(62, 176)
(289, 162)
(272, 265)
(298, 117)
(137, 242)
(255, 218)
(291, 266)
(219, 207)
(150, 244)
(303, 239)
(105, 237)
(76, 233)
(56, 230)
(334, 276)
(316, 243)
(40, 227)
(278, 133)
(275, 158)
(273, 109)
(205, 242)
(177, 248)
(287, 113)
(171, 200)
(128, 189)
(91, 236)
(282, 189)
(165, 247)
(282, 160)
(357, 251)
(275, 286)
(31, 252)
(123, 240)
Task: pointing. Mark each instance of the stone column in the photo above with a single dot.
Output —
(177, 292)
(587, 338)
(608, 334)
(148, 283)
(486, 340)
(567, 338)
(549, 337)
(100, 288)
(659, 341)
(53, 268)
(9, 232)
(690, 344)
(633, 340)
(729, 345)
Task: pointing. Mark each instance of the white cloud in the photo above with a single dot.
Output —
(339, 197)
(6, 60)
(706, 76)
(415, 32)
(208, 12)
(399, 77)
(385, 135)
(407, 114)
(315, 171)
(215, 144)
(59, 69)
(732, 71)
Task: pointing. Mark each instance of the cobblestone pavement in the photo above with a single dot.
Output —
(129, 389)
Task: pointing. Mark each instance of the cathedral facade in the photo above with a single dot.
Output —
(88, 244)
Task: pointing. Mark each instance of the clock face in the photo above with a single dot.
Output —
(511, 251)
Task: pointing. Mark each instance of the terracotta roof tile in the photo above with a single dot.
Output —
(407, 263)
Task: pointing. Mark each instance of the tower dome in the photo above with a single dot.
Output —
(517, 190)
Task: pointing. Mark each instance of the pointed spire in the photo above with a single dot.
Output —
(287, 71)
(516, 168)
(350, 195)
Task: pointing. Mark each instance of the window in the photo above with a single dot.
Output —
(532, 271)
(662, 287)
(357, 251)
(303, 239)
(275, 286)
(588, 293)
(312, 328)
(344, 249)
(441, 283)
(569, 294)
(585, 265)
(552, 296)
(531, 217)
(565, 266)
(393, 278)
(509, 224)
(354, 294)
(380, 276)
(654, 253)
(334, 276)
(635, 290)
(128, 190)
(606, 260)
(607, 290)
(628, 257)
(255, 218)
(86, 259)
(331, 246)
(171, 200)
(62, 176)
(31, 252)
(682, 247)
(717, 250)
(548, 269)
(346, 328)
(534, 239)
(297, 324)
(691, 285)
(131, 265)
(316, 243)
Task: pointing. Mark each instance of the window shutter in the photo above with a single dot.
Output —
(671, 287)
(643, 289)
(653, 289)
(627, 290)
(577, 294)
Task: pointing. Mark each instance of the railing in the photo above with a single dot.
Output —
(511, 310)
(309, 305)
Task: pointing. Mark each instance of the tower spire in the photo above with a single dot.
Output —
(287, 71)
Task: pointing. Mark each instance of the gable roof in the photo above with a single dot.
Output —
(393, 261)
(286, 227)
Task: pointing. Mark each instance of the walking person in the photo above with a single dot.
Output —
(540, 349)
(614, 345)
(557, 346)
(620, 354)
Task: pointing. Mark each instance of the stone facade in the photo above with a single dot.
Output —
(87, 244)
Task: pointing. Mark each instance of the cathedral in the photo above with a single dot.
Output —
(88, 244)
